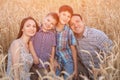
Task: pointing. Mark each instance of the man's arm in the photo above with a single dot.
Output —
(104, 43)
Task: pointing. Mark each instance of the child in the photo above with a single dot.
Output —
(65, 48)
(43, 44)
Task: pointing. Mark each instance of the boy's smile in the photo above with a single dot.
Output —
(49, 23)
(64, 17)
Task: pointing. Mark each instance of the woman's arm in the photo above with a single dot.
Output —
(15, 54)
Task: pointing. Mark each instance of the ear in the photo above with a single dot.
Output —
(83, 23)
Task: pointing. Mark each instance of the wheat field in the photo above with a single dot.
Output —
(100, 14)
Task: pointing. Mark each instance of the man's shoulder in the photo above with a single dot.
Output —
(95, 31)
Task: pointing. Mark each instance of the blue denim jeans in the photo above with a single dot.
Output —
(67, 67)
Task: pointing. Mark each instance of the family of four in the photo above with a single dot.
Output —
(61, 40)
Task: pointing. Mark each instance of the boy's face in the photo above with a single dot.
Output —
(49, 22)
(64, 17)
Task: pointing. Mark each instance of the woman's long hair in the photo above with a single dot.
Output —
(22, 25)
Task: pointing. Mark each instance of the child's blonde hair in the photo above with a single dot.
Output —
(55, 16)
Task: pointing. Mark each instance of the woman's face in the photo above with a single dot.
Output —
(29, 28)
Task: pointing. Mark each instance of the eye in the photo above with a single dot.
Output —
(28, 25)
(69, 16)
(64, 14)
(48, 20)
(34, 26)
(71, 24)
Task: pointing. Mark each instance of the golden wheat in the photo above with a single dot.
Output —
(101, 14)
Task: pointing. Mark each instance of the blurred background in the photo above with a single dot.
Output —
(100, 14)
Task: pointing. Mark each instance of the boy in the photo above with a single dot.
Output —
(65, 48)
(42, 45)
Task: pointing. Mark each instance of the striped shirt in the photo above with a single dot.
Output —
(65, 38)
(92, 42)
(43, 43)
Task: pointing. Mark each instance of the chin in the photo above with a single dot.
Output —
(63, 23)
(77, 32)
(32, 34)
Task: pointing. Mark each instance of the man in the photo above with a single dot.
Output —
(90, 43)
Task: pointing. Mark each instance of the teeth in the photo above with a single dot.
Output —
(77, 28)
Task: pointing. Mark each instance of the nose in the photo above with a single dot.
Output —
(49, 24)
(75, 25)
(65, 17)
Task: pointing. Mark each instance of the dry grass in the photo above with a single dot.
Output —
(107, 69)
(101, 14)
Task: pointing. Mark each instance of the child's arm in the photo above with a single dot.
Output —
(32, 51)
(74, 54)
(52, 58)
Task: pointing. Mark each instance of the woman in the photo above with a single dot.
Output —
(19, 58)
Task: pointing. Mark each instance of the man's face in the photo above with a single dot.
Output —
(77, 25)
(64, 17)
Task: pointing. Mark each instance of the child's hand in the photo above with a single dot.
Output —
(75, 74)
(36, 60)
(56, 65)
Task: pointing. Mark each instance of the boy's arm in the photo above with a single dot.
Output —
(52, 58)
(72, 43)
(32, 51)
(74, 54)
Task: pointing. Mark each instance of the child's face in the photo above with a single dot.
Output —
(49, 22)
(64, 17)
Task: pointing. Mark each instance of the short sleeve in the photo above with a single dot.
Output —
(72, 39)
(54, 39)
(104, 43)
(15, 51)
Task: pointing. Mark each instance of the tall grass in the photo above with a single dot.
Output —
(100, 14)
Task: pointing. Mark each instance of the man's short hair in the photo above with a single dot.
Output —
(77, 15)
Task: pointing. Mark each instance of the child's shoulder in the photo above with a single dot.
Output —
(67, 27)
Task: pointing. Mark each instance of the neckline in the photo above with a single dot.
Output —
(23, 44)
